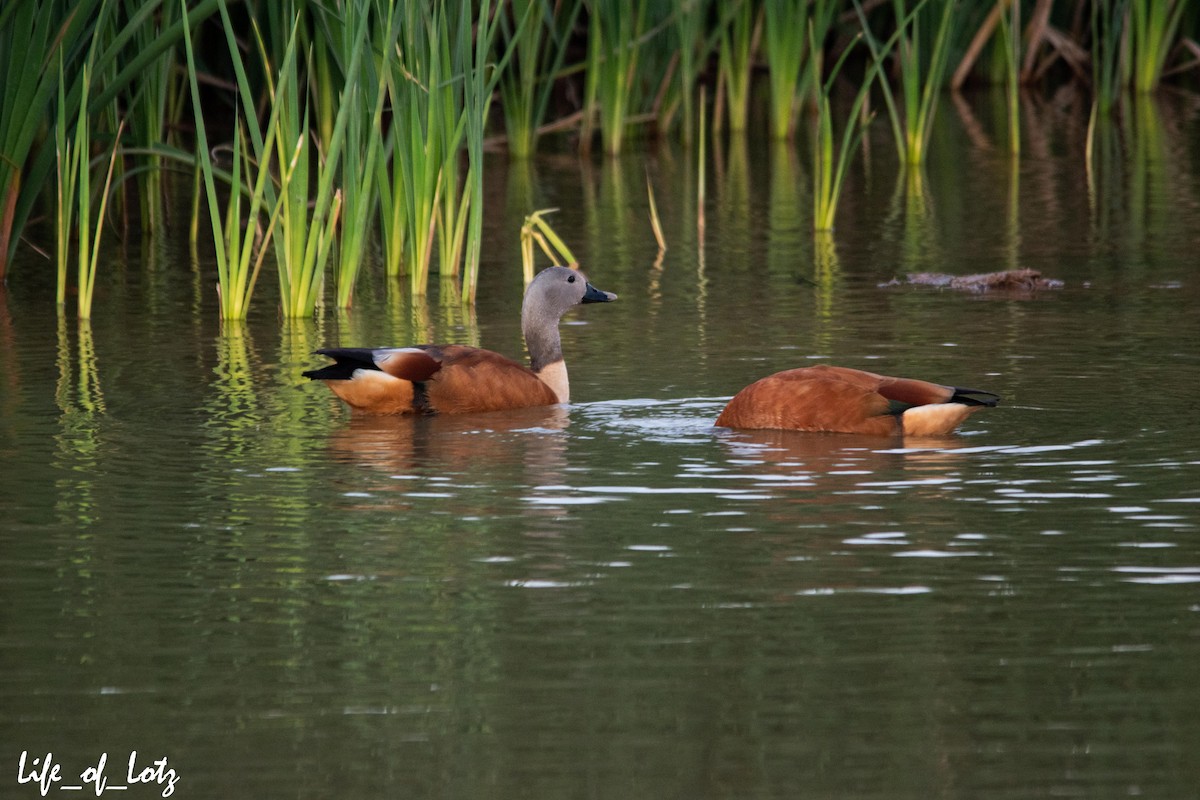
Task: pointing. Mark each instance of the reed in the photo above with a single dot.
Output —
(537, 231)
(1153, 25)
(614, 30)
(300, 202)
(423, 138)
(480, 78)
(439, 85)
(655, 222)
(690, 41)
(378, 117)
(735, 62)
(358, 199)
(539, 45)
(309, 204)
(389, 164)
(1108, 26)
(364, 142)
(1010, 44)
(790, 64)
(67, 186)
(87, 267)
(33, 37)
(921, 73)
(829, 160)
(153, 105)
(36, 40)
(701, 171)
(239, 261)
(456, 195)
(79, 211)
(392, 201)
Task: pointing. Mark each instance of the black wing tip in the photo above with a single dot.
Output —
(975, 397)
(345, 361)
(332, 372)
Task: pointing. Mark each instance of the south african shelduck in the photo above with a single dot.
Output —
(457, 379)
(843, 400)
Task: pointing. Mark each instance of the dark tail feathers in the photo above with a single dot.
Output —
(964, 396)
(345, 361)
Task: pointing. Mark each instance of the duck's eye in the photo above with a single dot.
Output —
(570, 279)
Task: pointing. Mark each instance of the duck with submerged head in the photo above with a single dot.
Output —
(457, 379)
(843, 400)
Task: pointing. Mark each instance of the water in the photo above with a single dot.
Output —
(206, 559)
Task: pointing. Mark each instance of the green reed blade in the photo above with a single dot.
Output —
(87, 289)
(910, 130)
(1108, 26)
(1153, 25)
(736, 61)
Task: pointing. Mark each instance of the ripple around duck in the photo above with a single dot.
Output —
(682, 421)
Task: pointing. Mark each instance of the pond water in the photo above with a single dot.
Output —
(209, 560)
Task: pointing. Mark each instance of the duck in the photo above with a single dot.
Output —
(458, 379)
(832, 399)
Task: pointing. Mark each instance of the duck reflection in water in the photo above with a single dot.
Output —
(528, 445)
(828, 467)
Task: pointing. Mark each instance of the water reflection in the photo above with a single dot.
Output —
(234, 400)
(406, 453)
(827, 278)
(913, 205)
(79, 438)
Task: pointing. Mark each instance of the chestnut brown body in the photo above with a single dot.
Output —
(844, 400)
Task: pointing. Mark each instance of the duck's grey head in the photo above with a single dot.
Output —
(555, 290)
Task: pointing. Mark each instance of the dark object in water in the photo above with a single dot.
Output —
(1012, 280)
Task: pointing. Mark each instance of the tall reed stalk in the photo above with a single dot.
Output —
(439, 85)
(480, 79)
(735, 57)
(152, 104)
(33, 36)
(424, 135)
(80, 212)
(655, 221)
(538, 33)
(921, 73)
(830, 161)
(790, 64)
(390, 188)
(366, 95)
(1152, 28)
(701, 170)
(90, 260)
(358, 181)
(67, 159)
(1108, 26)
(1010, 43)
(238, 258)
(688, 21)
(36, 41)
(614, 30)
(309, 202)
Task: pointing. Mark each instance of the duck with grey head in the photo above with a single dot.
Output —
(457, 379)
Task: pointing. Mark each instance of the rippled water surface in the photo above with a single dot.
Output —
(207, 559)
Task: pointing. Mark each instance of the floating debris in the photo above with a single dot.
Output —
(1012, 280)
